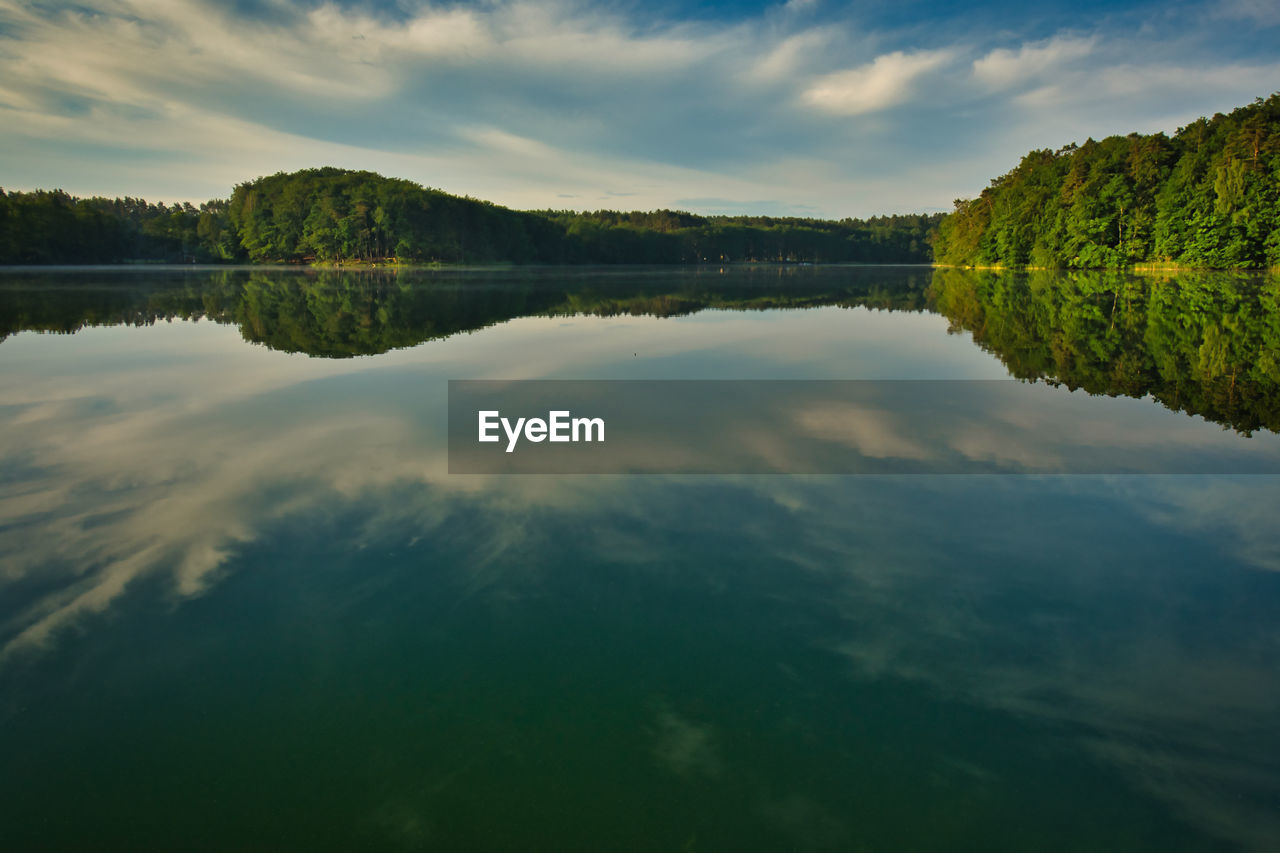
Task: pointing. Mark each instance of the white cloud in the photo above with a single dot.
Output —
(791, 54)
(1004, 67)
(886, 82)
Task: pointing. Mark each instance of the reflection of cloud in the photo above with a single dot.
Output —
(1076, 602)
(1111, 637)
(137, 464)
(179, 494)
(980, 443)
(178, 485)
(404, 824)
(806, 823)
(684, 747)
(872, 433)
(1235, 512)
(165, 469)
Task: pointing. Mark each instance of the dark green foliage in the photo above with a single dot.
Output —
(52, 227)
(1206, 343)
(343, 313)
(336, 215)
(672, 237)
(1208, 197)
(332, 214)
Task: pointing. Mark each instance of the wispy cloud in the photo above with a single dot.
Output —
(888, 81)
(1005, 67)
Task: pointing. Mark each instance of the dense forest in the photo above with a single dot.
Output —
(1209, 196)
(52, 227)
(336, 215)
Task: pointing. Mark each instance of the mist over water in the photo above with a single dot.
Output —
(244, 605)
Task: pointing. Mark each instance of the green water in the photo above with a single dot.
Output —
(243, 605)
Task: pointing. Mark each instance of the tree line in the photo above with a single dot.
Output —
(331, 215)
(1209, 196)
(53, 227)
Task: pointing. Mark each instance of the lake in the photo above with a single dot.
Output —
(244, 605)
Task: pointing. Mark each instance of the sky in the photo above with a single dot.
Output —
(801, 108)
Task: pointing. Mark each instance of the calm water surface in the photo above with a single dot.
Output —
(243, 605)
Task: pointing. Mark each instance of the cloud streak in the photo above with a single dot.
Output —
(886, 82)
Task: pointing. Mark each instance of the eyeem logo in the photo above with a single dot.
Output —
(558, 427)
(827, 426)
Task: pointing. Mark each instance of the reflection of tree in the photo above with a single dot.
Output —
(48, 302)
(341, 314)
(1203, 343)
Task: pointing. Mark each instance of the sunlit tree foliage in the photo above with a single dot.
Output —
(1207, 197)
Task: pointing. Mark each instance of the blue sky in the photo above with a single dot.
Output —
(807, 107)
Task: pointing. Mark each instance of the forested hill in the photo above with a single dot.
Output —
(1209, 196)
(323, 215)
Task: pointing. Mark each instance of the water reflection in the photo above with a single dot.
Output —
(255, 564)
(1198, 342)
(342, 314)
(1202, 343)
